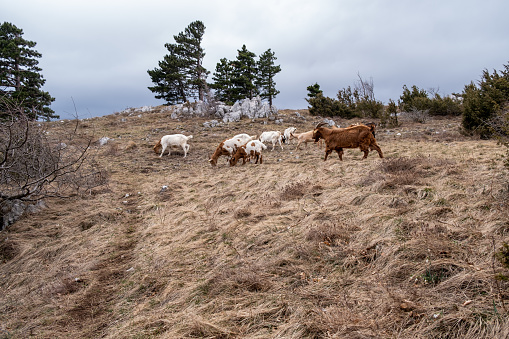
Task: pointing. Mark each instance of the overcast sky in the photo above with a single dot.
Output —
(97, 52)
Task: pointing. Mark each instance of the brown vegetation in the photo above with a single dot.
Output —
(400, 247)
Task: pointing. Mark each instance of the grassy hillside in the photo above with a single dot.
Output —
(400, 247)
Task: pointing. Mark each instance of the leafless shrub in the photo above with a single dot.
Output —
(401, 171)
(294, 190)
(331, 234)
(398, 165)
(417, 115)
(35, 164)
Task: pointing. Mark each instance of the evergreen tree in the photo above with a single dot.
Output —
(170, 78)
(313, 91)
(415, 99)
(193, 54)
(244, 75)
(180, 75)
(266, 72)
(223, 85)
(20, 80)
(484, 102)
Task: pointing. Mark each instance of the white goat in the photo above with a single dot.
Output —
(245, 136)
(252, 149)
(172, 140)
(304, 138)
(273, 136)
(232, 144)
(288, 133)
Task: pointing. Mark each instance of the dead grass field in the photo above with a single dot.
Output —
(400, 247)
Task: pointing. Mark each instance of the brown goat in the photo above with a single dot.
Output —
(251, 149)
(219, 151)
(240, 154)
(351, 137)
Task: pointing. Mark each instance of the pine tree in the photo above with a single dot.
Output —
(193, 54)
(313, 91)
(20, 80)
(180, 75)
(170, 78)
(223, 85)
(266, 72)
(485, 101)
(244, 76)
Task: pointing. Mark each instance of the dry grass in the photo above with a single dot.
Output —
(400, 247)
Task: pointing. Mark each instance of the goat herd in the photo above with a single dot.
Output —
(245, 147)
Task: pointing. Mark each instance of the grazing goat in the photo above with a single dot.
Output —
(287, 134)
(220, 150)
(244, 136)
(228, 147)
(351, 137)
(172, 140)
(253, 148)
(273, 136)
(232, 144)
(304, 138)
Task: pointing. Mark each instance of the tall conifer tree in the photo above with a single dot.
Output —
(181, 75)
(20, 80)
(245, 73)
(266, 72)
(223, 84)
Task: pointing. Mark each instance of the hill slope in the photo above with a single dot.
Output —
(293, 248)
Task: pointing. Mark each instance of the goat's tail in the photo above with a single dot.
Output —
(190, 137)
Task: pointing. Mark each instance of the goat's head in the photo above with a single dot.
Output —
(157, 147)
(372, 127)
(241, 153)
(317, 133)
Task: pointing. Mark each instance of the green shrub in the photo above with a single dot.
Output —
(418, 100)
(389, 116)
(483, 102)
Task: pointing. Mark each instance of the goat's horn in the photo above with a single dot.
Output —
(320, 124)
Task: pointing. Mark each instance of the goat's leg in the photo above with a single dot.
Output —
(365, 149)
(261, 159)
(378, 149)
(327, 152)
(162, 152)
(339, 151)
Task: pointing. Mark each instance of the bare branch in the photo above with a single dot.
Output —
(36, 164)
